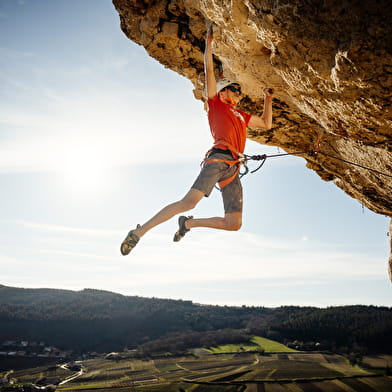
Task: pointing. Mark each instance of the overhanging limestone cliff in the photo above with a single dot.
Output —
(329, 62)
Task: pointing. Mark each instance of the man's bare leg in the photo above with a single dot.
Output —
(232, 221)
(188, 202)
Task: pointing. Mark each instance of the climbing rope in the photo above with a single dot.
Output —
(244, 158)
(264, 157)
(356, 164)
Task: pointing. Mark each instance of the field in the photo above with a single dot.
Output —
(234, 372)
(257, 343)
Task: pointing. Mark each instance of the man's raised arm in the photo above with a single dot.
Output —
(265, 120)
(209, 65)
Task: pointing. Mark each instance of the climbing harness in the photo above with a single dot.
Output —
(239, 159)
(242, 159)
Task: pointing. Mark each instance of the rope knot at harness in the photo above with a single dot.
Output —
(261, 158)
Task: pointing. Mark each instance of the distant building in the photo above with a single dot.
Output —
(3, 381)
(9, 343)
(113, 356)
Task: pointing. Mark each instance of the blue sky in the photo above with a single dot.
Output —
(95, 137)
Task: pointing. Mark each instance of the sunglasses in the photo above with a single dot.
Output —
(235, 89)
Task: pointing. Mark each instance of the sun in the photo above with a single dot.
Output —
(82, 169)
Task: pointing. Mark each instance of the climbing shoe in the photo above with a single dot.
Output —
(182, 230)
(130, 242)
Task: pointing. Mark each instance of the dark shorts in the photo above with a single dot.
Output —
(213, 173)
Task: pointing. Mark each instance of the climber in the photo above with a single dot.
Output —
(228, 128)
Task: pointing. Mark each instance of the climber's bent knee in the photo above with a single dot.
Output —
(233, 221)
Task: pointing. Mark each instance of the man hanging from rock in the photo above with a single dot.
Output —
(228, 128)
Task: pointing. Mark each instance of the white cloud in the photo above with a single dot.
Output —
(11, 53)
(204, 256)
(97, 133)
(66, 230)
(96, 113)
(206, 266)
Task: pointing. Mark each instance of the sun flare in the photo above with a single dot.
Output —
(82, 169)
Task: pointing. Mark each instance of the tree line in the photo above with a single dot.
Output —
(95, 320)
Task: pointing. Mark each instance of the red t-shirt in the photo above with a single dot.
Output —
(227, 123)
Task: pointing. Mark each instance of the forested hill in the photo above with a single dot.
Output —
(105, 321)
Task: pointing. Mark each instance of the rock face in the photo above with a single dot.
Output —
(329, 62)
(390, 256)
